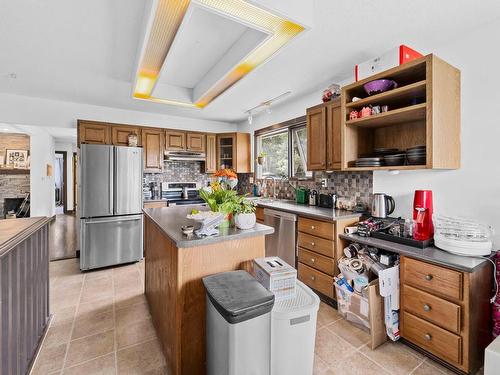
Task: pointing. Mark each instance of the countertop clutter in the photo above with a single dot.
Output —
(171, 219)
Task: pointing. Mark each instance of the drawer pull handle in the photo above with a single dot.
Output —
(312, 244)
(427, 307)
(313, 278)
(428, 277)
(313, 260)
(313, 227)
(427, 337)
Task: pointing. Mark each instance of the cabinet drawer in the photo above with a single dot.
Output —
(434, 309)
(319, 245)
(319, 262)
(317, 228)
(435, 279)
(316, 280)
(432, 338)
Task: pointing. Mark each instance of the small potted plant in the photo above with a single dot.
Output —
(244, 213)
(261, 158)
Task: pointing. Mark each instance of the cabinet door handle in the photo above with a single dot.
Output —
(428, 277)
(427, 307)
(313, 260)
(312, 244)
(313, 227)
(427, 337)
(313, 278)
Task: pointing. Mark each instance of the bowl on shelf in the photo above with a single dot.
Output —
(379, 85)
(395, 159)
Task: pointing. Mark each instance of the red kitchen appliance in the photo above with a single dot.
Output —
(422, 215)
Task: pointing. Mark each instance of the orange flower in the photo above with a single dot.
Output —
(229, 173)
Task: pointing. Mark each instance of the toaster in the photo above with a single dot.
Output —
(327, 200)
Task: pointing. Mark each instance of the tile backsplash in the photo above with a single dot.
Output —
(180, 171)
(356, 186)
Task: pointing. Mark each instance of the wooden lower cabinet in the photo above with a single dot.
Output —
(259, 214)
(320, 262)
(446, 312)
(316, 279)
(155, 204)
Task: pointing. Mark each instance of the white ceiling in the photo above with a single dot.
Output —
(85, 51)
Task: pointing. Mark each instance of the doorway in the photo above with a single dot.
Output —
(61, 177)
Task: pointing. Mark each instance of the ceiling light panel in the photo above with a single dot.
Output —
(166, 22)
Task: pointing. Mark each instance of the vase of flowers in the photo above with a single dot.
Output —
(221, 196)
(244, 213)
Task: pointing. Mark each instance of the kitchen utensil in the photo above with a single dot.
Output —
(187, 229)
(396, 159)
(422, 214)
(379, 85)
(385, 151)
(313, 198)
(383, 205)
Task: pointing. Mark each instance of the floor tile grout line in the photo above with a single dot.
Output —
(114, 324)
(415, 369)
(73, 324)
(88, 360)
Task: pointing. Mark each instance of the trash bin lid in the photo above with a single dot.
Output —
(304, 302)
(237, 296)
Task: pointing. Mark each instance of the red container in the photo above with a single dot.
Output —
(422, 215)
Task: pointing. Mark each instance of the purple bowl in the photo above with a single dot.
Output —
(379, 85)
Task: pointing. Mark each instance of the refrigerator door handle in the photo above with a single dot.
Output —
(112, 220)
(111, 180)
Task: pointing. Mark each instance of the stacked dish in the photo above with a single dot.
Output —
(416, 155)
(369, 162)
(395, 159)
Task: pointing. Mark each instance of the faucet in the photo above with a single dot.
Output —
(273, 179)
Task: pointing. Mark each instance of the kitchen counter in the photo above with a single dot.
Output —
(314, 212)
(430, 254)
(170, 220)
(175, 265)
(14, 231)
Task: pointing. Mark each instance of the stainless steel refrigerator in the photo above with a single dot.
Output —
(110, 192)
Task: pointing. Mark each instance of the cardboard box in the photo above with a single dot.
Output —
(276, 276)
(394, 57)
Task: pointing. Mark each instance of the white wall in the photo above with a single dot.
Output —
(25, 110)
(473, 190)
(42, 186)
(68, 147)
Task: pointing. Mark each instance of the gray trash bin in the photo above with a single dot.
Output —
(238, 324)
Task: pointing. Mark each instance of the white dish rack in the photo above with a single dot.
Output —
(462, 236)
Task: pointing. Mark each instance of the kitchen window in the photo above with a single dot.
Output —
(285, 152)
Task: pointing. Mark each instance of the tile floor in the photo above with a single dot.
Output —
(101, 326)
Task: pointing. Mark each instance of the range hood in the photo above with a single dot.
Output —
(184, 156)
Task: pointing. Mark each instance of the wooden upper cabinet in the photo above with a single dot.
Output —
(120, 133)
(316, 138)
(153, 144)
(333, 136)
(94, 132)
(211, 157)
(195, 142)
(175, 140)
(233, 152)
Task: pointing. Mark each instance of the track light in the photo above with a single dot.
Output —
(250, 119)
(268, 108)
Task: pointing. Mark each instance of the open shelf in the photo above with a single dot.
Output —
(398, 116)
(14, 171)
(394, 97)
(387, 168)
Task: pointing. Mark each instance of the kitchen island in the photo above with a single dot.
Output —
(175, 265)
(24, 291)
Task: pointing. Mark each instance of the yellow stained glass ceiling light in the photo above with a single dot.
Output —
(166, 22)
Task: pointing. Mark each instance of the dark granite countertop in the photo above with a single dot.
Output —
(314, 212)
(170, 220)
(430, 254)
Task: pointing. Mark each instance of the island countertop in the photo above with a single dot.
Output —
(14, 231)
(170, 220)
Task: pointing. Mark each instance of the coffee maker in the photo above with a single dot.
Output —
(422, 215)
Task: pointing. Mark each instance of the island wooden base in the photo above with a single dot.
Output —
(176, 295)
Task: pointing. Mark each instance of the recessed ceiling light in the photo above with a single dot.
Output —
(165, 23)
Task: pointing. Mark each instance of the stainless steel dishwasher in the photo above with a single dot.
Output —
(282, 242)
